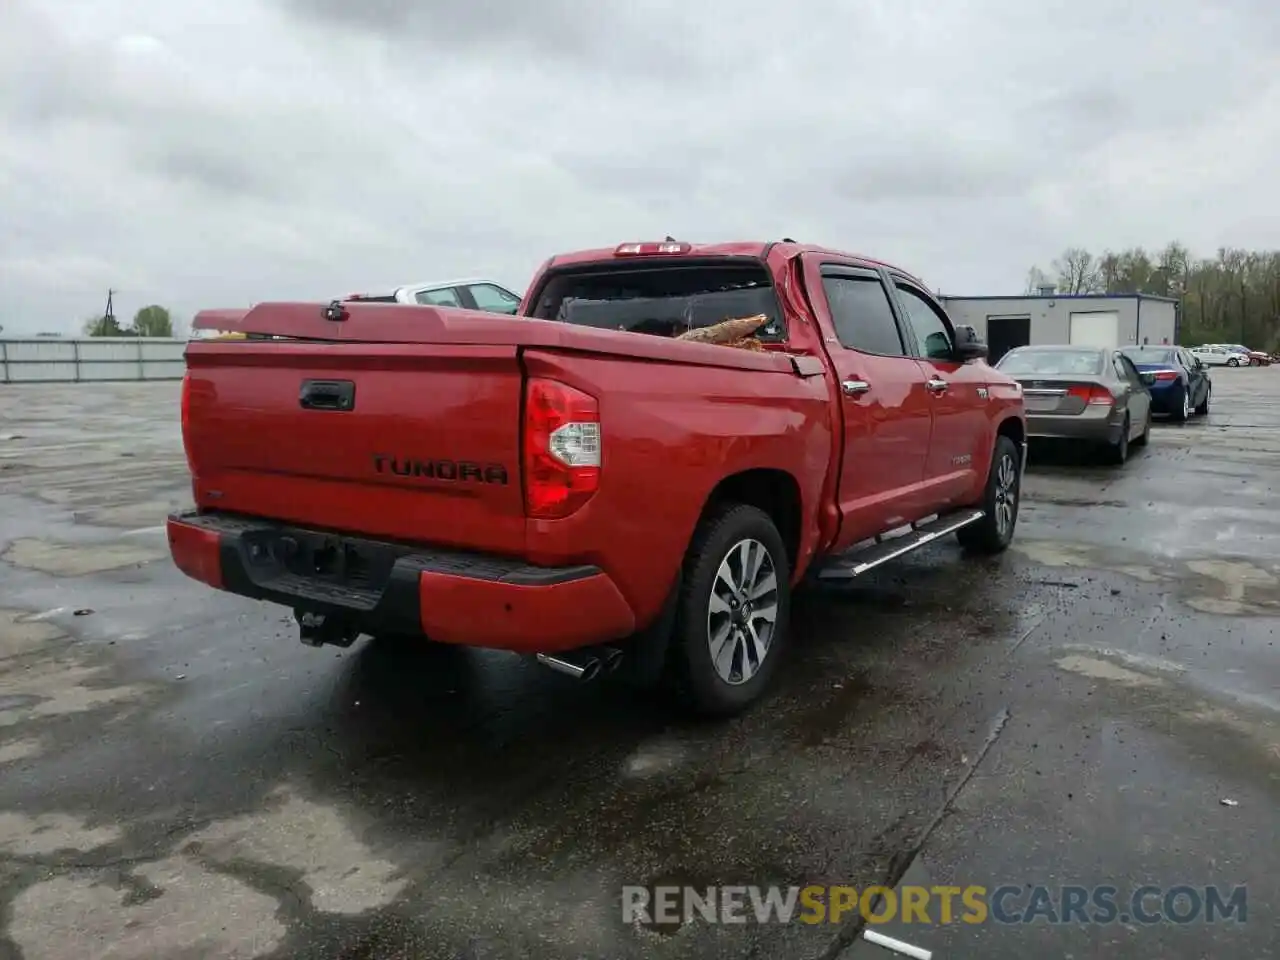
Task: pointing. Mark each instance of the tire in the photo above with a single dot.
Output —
(1182, 412)
(725, 539)
(1202, 409)
(1000, 501)
(1146, 431)
(1233, 362)
(1118, 452)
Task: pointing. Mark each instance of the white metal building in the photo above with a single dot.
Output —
(1102, 320)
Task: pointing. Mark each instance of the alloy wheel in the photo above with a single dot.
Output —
(1006, 499)
(743, 611)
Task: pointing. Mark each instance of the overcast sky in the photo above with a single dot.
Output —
(218, 154)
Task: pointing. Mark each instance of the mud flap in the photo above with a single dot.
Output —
(644, 659)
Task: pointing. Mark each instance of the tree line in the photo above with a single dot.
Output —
(1233, 297)
(150, 321)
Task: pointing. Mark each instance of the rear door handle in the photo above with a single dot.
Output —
(936, 385)
(854, 388)
(327, 395)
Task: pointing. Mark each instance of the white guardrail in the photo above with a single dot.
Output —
(91, 359)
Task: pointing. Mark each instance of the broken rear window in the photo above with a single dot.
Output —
(663, 301)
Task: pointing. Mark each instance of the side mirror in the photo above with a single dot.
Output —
(969, 345)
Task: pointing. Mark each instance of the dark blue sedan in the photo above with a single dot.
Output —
(1179, 383)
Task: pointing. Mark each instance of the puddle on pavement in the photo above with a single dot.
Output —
(79, 559)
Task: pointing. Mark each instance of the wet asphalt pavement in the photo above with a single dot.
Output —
(179, 777)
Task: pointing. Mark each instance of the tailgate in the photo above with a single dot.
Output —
(398, 432)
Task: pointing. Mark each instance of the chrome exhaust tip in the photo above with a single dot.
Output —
(610, 659)
(589, 669)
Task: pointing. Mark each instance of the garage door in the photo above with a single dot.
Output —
(1096, 329)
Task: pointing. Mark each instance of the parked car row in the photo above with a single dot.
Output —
(1107, 396)
(1230, 355)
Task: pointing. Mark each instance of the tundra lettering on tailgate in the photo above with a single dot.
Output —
(453, 470)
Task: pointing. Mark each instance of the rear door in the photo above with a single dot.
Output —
(1139, 397)
(960, 442)
(884, 406)
(1196, 380)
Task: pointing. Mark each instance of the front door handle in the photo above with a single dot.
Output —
(936, 384)
(854, 388)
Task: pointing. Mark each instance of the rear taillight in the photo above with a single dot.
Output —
(186, 420)
(1166, 375)
(561, 449)
(1092, 395)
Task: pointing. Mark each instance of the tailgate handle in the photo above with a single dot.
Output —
(327, 395)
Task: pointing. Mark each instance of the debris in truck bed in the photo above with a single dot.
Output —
(730, 333)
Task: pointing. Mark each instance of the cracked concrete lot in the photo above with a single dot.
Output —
(179, 777)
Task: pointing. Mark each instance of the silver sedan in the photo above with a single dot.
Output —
(1093, 394)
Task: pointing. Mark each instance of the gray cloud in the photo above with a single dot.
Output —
(301, 148)
(655, 38)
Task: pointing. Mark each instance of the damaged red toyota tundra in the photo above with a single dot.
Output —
(586, 481)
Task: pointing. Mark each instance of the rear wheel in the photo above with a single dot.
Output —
(1203, 408)
(994, 532)
(1118, 452)
(1182, 411)
(732, 617)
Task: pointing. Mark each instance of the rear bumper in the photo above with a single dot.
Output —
(1167, 399)
(1098, 424)
(379, 587)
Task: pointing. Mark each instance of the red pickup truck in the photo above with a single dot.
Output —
(574, 482)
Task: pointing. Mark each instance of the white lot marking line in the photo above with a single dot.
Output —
(144, 530)
(897, 946)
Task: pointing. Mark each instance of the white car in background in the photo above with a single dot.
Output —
(472, 293)
(1212, 355)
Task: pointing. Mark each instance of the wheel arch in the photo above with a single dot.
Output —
(775, 492)
(1014, 429)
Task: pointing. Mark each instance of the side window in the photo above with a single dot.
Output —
(1118, 363)
(932, 331)
(862, 315)
(448, 297)
(1129, 371)
(494, 299)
